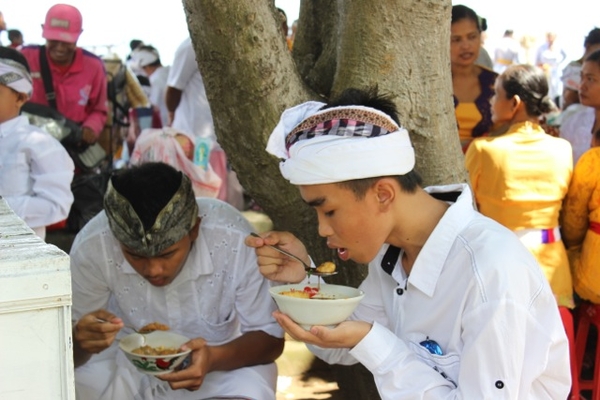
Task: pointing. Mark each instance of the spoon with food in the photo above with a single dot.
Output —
(325, 269)
(148, 328)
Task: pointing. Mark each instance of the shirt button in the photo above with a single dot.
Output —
(499, 384)
(399, 291)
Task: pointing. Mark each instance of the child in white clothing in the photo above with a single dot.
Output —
(35, 169)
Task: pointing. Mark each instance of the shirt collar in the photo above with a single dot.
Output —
(10, 126)
(430, 262)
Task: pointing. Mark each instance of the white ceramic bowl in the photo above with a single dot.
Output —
(338, 304)
(154, 365)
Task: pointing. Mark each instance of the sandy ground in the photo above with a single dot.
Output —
(303, 376)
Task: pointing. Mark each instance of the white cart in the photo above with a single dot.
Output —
(36, 361)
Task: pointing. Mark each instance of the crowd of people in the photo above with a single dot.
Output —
(441, 269)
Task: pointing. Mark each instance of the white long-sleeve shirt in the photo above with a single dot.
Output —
(479, 293)
(35, 174)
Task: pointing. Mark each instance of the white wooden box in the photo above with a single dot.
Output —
(36, 359)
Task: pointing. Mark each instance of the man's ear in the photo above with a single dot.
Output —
(195, 230)
(385, 190)
(21, 99)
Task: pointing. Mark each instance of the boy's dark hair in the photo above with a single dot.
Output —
(371, 97)
(531, 85)
(14, 34)
(148, 187)
(15, 55)
(143, 80)
(592, 38)
(151, 49)
(594, 57)
(135, 43)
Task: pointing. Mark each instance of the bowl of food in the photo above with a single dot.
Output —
(310, 305)
(154, 353)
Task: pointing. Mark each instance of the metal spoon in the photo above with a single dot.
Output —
(309, 270)
(141, 333)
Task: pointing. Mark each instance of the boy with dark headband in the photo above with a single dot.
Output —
(158, 254)
(454, 306)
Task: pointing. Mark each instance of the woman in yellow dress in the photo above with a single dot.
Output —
(520, 178)
(473, 85)
(581, 211)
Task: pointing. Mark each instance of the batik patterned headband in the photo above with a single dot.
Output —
(15, 76)
(172, 223)
(342, 122)
(344, 143)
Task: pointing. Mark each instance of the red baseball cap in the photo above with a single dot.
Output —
(63, 23)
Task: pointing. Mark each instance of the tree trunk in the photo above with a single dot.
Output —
(251, 77)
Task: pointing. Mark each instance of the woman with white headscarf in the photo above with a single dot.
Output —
(35, 169)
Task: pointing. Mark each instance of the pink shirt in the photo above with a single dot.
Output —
(80, 90)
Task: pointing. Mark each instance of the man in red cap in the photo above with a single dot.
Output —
(78, 79)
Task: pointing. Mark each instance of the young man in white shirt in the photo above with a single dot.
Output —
(158, 254)
(455, 306)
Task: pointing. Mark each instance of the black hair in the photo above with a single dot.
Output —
(148, 187)
(143, 80)
(151, 49)
(460, 12)
(593, 57)
(371, 97)
(15, 55)
(135, 43)
(530, 84)
(14, 34)
(592, 38)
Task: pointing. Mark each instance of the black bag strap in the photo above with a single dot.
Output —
(47, 78)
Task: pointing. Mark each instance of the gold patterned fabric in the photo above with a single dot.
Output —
(582, 206)
(172, 223)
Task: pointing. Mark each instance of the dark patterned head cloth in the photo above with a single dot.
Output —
(173, 222)
(337, 144)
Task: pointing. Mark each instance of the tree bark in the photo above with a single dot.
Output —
(402, 46)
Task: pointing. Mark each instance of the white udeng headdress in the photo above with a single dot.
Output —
(15, 76)
(339, 144)
(144, 57)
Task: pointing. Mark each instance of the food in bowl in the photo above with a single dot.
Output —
(307, 293)
(329, 306)
(154, 326)
(155, 364)
(155, 351)
(327, 267)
